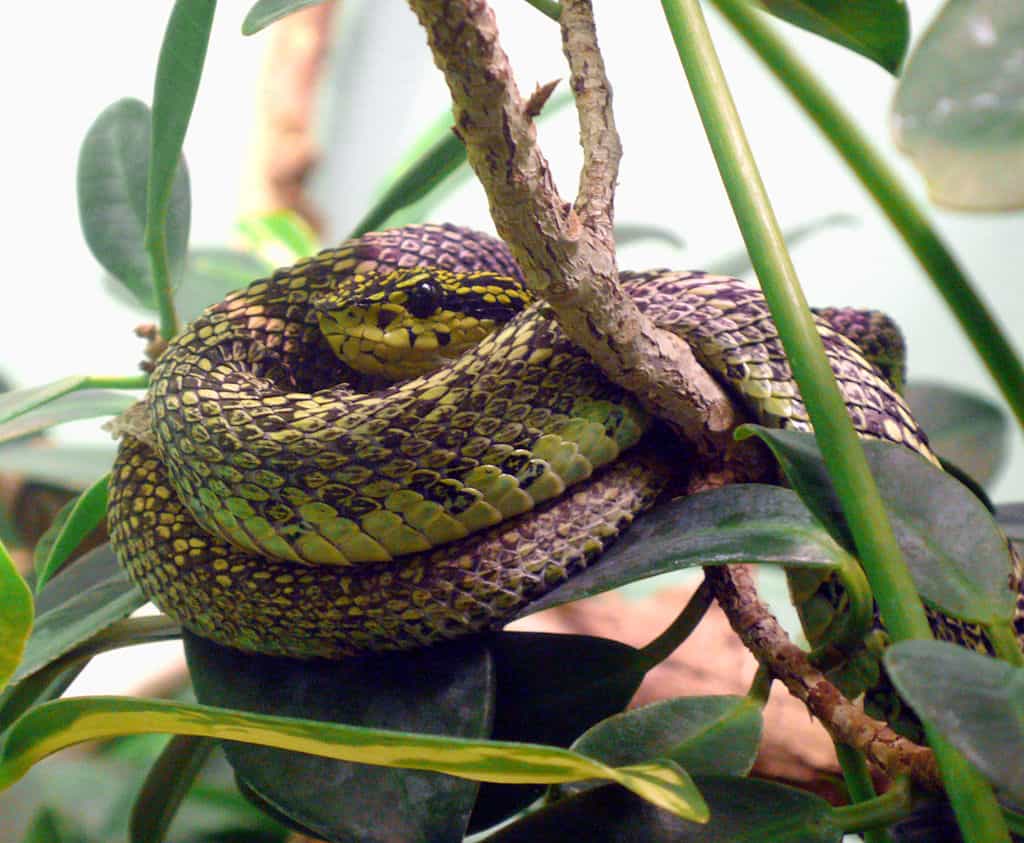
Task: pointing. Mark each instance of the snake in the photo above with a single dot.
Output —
(391, 443)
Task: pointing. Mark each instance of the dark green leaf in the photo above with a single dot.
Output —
(16, 613)
(80, 616)
(178, 71)
(964, 428)
(957, 109)
(112, 170)
(211, 274)
(741, 523)
(742, 811)
(265, 12)
(877, 29)
(704, 735)
(445, 690)
(955, 551)
(550, 689)
(42, 686)
(1010, 517)
(975, 701)
(72, 524)
(63, 464)
(166, 785)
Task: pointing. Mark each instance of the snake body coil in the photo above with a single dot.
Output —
(281, 512)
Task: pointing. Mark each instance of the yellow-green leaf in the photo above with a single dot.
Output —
(16, 612)
(63, 723)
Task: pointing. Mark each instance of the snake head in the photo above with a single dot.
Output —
(409, 322)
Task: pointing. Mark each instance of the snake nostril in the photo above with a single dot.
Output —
(385, 317)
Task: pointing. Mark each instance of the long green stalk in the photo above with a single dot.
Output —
(884, 184)
(901, 610)
(860, 787)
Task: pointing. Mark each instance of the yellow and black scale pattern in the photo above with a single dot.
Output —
(282, 511)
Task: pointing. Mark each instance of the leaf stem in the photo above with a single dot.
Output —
(884, 184)
(876, 812)
(679, 630)
(901, 610)
(860, 787)
(551, 8)
(156, 246)
(1005, 643)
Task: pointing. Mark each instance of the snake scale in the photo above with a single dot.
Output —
(278, 509)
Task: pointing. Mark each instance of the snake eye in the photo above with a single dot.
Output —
(423, 299)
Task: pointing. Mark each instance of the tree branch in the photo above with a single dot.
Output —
(566, 251)
(761, 633)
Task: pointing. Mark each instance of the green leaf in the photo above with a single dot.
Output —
(443, 690)
(167, 783)
(112, 171)
(550, 689)
(742, 811)
(741, 523)
(81, 615)
(970, 431)
(956, 553)
(877, 29)
(52, 826)
(975, 701)
(704, 735)
(16, 612)
(81, 404)
(62, 723)
(441, 161)
(64, 464)
(265, 12)
(178, 71)
(77, 519)
(957, 111)
(279, 237)
(211, 274)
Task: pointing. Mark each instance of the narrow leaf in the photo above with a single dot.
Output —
(112, 170)
(62, 723)
(955, 551)
(65, 464)
(80, 616)
(975, 701)
(167, 783)
(16, 613)
(957, 109)
(279, 237)
(72, 524)
(82, 404)
(178, 71)
(741, 523)
(265, 12)
(877, 29)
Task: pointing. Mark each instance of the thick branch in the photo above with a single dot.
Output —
(567, 252)
(767, 640)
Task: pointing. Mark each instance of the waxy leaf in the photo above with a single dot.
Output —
(265, 12)
(975, 701)
(957, 555)
(741, 523)
(15, 616)
(62, 723)
(71, 525)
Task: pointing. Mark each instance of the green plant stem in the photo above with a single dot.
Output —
(156, 247)
(901, 610)
(877, 812)
(884, 184)
(761, 686)
(679, 630)
(1014, 820)
(113, 382)
(1005, 643)
(859, 784)
(551, 8)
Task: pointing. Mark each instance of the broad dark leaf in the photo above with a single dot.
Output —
(113, 167)
(742, 811)
(877, 29)
(265, 12)
(956, 553)
(975, 701)
(741, 523)
(210, 274)
(447, 690)
(704, 735)
(964, 428)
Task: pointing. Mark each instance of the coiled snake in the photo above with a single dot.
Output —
(281, 511)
